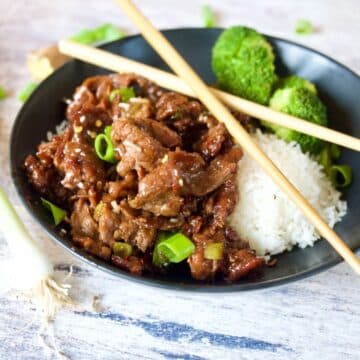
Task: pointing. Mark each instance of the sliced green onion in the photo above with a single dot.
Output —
(85, 36)
(57, 213)
(107, 131)
(304, 27)
(208, 16)
(125, 93)
(108, 32)
(121, 249)
(2, 93)
(341, 175)
(101, 34)
(335, 151)
(174, 249)
(325, 158)
(214, 251)
(104, 148)
(27, 91)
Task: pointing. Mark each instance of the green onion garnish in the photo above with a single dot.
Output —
(57, 213)
(2, 93)
(26, 92)
(107, 131)
(325, 158)
(341, 175)
(101, 34)
(304, 27)
(104, 148)
(172, 249)
(125, 93)
(335, 151)
(214, 251)
(121, 249)
(208, 16)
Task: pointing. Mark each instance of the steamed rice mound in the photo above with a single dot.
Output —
(264, 216)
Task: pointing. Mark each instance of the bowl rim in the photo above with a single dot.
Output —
(155, 282)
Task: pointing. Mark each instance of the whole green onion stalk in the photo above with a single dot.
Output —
(35, 271)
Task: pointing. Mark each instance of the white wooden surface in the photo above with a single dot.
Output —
(318, 317)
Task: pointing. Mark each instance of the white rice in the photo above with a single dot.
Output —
(59, 129)
(264, 216)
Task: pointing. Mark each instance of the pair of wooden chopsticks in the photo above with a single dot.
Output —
(167, 80)
(184, 71)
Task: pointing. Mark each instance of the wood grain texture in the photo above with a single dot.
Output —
(318, 317)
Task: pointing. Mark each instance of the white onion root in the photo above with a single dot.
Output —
(34, 271)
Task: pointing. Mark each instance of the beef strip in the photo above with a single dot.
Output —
(46, 180)
(122, 188)
(138, 149)
(211, 142)
(81, 220)
(118, 222)
(183, 174)
(241, 262)
(80, 165)
(222, 203)
(92, 246)
(132, 264)
(201, 268)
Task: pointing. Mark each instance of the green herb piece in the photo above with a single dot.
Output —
(104, 148)
(2, 93)
(101, 34)
(335, 151)
(341, 175)
(172, 248)
(208, 16)
(123, 250)
(325, 159)
(107, 131)
(304, 27)
(27, 91)
(57, 213)
(214, 251)
(125, 93)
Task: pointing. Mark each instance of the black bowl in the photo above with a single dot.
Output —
(339, 88)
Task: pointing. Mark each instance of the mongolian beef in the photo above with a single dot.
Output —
(148, 179)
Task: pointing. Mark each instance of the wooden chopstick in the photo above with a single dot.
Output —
(179, 65)
(167, 80)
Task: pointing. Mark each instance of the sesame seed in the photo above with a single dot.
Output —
(92, 134)
(173, 220)
(115, 207)
(181, 182)
(124, 106)
(139, 100)
(77, 150)
(165, 158)
(82, 118)
(98, 123)
(80, 185)
(78, 129)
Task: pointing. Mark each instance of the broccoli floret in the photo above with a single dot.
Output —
(243, 62)
(304, 104)
(294, 81)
